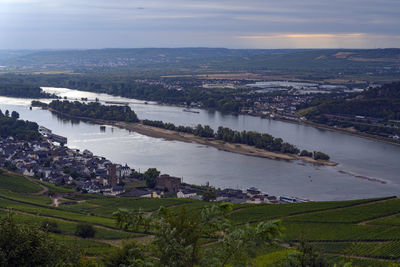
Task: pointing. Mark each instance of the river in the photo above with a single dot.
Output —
(367, 168)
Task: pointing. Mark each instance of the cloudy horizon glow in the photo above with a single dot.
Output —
(62, 24)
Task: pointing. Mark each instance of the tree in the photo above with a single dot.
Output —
(85, 230)
(15, 115)
(305, 153)
(50, 226)
(307, 257)
(319, 155)
(150, 176)
(177, 236)
(131, 254)
(209, 196)
(26, 245)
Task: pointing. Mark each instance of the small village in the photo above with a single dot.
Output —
(51, 161)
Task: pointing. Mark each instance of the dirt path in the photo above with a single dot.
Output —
(384, 217)
(55, 201)
(44, 188)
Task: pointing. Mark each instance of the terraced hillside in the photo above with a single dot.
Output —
(365, 232)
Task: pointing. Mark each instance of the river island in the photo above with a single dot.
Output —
(124, 117)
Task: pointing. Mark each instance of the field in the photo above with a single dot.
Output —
(18, 184)
(364, 232)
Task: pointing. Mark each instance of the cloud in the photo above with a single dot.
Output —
(241, 24)
(321, 40)
(304, 35)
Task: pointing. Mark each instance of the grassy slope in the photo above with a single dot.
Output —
(367, 232)
(16, 183)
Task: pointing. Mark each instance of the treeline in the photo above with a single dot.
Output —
(94, 110)
(381, 102)
(258, 140)
(199, 130)
(24, 91)
(159, 90)
(10, 125)
(223, 99)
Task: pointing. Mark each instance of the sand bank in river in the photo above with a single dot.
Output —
(221, 145)
(190, 138)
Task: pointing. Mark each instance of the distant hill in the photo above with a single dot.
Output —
(380, 102)
(391, 91)
(210, 59)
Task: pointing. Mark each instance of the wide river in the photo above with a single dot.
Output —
(367, 168)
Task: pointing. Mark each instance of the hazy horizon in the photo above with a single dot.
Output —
(259, 24)
(187, 47)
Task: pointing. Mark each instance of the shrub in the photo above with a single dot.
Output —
(305, 153)
(50, 226)
(319, 155)
(25, 245)
(85, 230)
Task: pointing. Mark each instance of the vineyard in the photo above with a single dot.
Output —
(364, 232)
(354, 214)
(384, 250)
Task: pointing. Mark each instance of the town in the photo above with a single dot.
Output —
(51, 161)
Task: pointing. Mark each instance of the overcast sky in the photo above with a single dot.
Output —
(191, 23)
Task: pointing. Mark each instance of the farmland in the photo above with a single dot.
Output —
(365, 232)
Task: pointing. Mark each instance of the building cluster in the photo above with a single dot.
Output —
(281, 106)
(61, 165)
(172, 85)
(173, 187)
(86, 172)
(253, 195)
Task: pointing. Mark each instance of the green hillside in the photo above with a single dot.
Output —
(380, 102)
(364, 232)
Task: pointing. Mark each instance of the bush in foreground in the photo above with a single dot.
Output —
(25, 245)
(85, 230)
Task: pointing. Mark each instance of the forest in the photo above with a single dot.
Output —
(23, 90)
(379, 102)
(94, 110)
(10, 125)
(129, 86)
(375, 111)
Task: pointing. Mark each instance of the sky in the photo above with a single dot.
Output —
(82, 24)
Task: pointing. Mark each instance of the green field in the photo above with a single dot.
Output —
(17, 184)
(391, 220)
(364, 232)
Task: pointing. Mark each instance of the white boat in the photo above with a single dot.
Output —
(189, 110)
(117, 102)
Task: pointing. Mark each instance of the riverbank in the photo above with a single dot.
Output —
(330, 128)
(351, 132)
